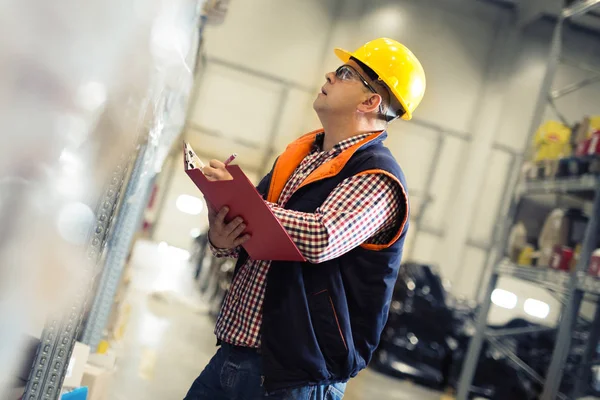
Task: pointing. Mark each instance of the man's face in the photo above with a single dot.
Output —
(342, 96)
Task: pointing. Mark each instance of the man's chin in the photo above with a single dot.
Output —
(316, 105)
(319, 103)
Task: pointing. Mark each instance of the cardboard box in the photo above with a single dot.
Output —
(97, 381)
(79, 359)
(106, 360)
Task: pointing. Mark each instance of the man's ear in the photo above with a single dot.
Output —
(370, 104)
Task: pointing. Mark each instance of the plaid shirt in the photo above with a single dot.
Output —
(361, 209)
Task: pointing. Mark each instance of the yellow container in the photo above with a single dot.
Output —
(103, 347)
(526, 256)
(552, 141)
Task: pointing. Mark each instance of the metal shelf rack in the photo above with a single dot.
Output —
(549, 278)
(118, 215)
(584, 186)
(60, 332)
(570, 285)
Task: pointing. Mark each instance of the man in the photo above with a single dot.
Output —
(293, 330)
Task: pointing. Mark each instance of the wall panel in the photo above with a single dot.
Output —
(414, 148)
(443, 191)
(471, 267)
(284, 38)
(241, 106)
(491, 193)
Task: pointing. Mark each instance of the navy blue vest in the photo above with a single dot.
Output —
(322, 322)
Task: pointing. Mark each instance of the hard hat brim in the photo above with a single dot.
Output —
(342, 54)
(345, 57)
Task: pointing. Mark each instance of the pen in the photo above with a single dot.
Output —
(230, 159)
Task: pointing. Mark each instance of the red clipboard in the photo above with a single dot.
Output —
(269, 239)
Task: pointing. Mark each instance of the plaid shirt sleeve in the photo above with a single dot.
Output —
(224, 253)
(356, 210)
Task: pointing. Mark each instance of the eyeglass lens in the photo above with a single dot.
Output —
(344, 73)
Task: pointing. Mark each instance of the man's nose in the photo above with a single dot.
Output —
(330, 76)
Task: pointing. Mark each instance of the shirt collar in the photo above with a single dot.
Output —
(339, 147)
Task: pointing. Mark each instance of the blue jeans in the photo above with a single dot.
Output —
(235, 374)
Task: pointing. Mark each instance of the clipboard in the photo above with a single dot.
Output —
(269, 239)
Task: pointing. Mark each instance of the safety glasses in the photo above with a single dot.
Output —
(347, 73)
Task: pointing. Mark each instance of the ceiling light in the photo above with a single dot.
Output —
(536, 308)
(504, 298)
(195, 232)
(177, 253)
(75, 221)
(91, 95)
(189, 204)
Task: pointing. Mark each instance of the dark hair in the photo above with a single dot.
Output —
(370, 73)
(390, 114)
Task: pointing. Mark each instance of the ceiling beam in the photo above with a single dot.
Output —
(532, 10)
(579, 8)
(579, 65)
(192, 127)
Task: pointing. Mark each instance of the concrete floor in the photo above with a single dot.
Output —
(169, 338)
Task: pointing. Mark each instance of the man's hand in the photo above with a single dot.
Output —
(225, 235)
(216, 171)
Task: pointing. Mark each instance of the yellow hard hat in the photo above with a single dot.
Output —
(395, 65)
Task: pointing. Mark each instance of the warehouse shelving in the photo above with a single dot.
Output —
(550, 278)
(579, 186)
(571, 285)
(60, 332)
(126, 223)
(118, 214)
(589, 284)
